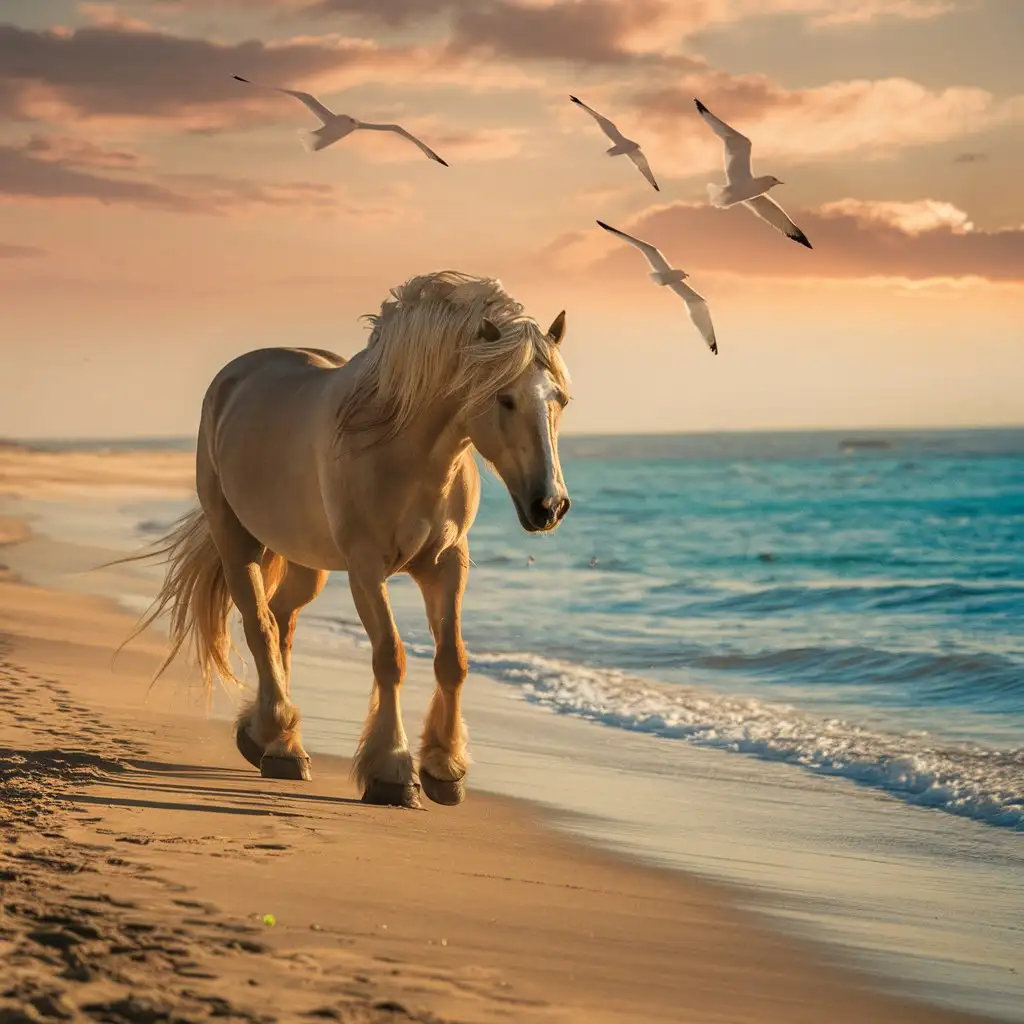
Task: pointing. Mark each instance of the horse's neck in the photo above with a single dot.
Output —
(431, 450)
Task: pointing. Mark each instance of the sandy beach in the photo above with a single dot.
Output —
(142, 857)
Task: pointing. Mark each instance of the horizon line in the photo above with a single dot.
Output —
(49, 439)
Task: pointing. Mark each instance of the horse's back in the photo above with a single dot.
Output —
(274, 379)
(278, 360)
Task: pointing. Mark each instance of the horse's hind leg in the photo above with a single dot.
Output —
(270, 726)
(383, 765)
(290, 594)
(299, 586)
(444, 758)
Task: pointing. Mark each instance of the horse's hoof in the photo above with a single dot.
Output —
(295, 768)
(248, 747)
(451, 793)
(393, 794)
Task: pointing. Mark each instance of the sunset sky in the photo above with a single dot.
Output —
(159, 218)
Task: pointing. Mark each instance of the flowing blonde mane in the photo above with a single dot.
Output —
(425, 346)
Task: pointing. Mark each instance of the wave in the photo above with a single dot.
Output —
(970, 781)
(952, 676)
(966, 780)
(878, 597)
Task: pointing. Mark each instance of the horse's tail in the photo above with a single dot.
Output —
(195, 592)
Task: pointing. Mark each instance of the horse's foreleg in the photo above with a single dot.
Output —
(383, 765)
(444, 757)
(267, 731)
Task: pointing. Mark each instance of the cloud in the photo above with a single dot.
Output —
(852, 239)
(690, 18)
(25, 176)
(79, 152)
(874, 118)
(912, 218)
(583, 31)
(109, 72)
(216, 193)
(864, 11)
(10, 251)
(393, 13)
(52, 169)
(107, 14)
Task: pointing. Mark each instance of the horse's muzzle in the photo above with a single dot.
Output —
(547, 512)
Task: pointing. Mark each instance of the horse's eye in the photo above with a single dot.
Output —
(507, 402)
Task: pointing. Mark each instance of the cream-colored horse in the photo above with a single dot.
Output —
(307, 463)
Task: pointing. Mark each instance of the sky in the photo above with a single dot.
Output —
(159, 218)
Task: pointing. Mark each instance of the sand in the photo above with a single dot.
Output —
(29, 473)
(141, 854)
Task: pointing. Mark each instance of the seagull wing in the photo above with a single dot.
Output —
(640, 160)
(768, 210)
(399, 130)
(699, 312)
(654, 257)
(608, 127)
(737, 146)
(310, 101)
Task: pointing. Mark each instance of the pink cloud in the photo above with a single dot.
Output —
(108, 72)
(45, 169)
(874, 118)
(79, 152)
(852, 239)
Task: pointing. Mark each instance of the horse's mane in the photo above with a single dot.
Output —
(425, 345)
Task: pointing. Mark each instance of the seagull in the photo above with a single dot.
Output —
(337, 126)
(741, 186)
(663, 274)
(622, 144)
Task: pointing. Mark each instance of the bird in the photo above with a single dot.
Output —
(663, 274)
(623, 146)
(337, 126)
(741, 185)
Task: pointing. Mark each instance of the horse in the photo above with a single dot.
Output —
(308, 463)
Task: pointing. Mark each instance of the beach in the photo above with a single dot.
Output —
(143, 856)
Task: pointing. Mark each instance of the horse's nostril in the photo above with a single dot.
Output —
(547, 510)
(541, 510)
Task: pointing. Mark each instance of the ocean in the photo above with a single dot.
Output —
(850, 603)
(789, 659)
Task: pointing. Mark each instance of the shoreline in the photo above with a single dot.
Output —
(707, 958)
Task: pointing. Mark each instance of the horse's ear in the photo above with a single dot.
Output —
(557, 329)
(488, 331)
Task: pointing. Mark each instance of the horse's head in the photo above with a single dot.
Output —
(518, 434)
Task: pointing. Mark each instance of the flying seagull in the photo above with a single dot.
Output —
(741, 185)
(622, 144)
(662, 273)
(337, 126)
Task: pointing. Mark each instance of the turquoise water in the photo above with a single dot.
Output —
(853, 604)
